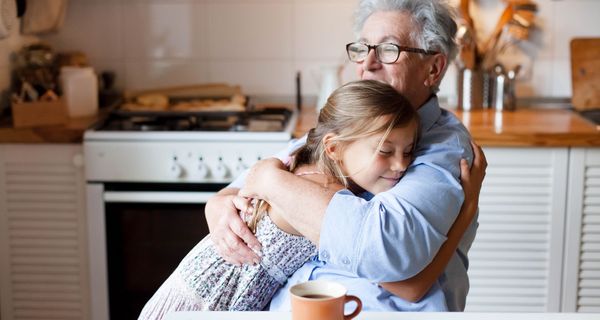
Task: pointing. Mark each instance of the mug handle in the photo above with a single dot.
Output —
(358, 306)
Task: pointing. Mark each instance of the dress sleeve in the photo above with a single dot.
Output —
(397, 233)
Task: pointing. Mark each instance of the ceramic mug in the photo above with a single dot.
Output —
(313, 300)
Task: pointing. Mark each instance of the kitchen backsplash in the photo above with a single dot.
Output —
(260, 44)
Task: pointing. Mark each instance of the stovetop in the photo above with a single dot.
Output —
(273, 123)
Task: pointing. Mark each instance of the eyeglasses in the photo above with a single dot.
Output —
(384, 52)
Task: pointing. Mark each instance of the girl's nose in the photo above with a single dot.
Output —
(400, 163)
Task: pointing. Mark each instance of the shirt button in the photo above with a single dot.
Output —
(325, 255)
(345, 260)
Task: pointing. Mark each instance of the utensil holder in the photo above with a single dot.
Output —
(473, 88)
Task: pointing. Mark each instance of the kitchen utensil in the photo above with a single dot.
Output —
(514, 23)
(492, 41)
(503, 97)
(466, 37)
(585, 73)
(8, 17)
(499, 87)
(298, 90)
(43, 16)
(21, 7)
(464, 12)
(510, 96)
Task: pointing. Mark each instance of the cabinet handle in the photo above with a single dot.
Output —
(157, 197)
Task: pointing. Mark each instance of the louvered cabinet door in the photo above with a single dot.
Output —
(43, 248)
(516, 258)
(582, 254)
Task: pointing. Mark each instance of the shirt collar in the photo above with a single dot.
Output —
(429, 113)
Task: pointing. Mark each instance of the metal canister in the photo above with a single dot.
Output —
(473, 89)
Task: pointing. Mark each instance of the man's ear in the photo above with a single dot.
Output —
(436, 67)
(330, 146)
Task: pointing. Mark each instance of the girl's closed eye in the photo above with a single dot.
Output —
(386, 152)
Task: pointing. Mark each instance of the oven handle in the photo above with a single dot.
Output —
(157, 197)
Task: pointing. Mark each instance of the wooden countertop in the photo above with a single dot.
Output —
(71, 132)
(529, 127)
(522, 128)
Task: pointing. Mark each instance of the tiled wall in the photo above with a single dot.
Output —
(260, 44)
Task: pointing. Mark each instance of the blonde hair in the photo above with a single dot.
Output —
(352, 112)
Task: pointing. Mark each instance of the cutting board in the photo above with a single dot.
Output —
(585, 73)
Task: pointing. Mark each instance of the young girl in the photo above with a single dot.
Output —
(363, 141)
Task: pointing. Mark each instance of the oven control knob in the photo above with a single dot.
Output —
(240, 166)
(176, 170)
(221, 171)
(203, 169)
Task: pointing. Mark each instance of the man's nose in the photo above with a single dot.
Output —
(371, 62)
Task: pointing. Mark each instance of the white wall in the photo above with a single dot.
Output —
(260, 44)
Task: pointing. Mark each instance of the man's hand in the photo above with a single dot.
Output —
(228, 231)
(258, 179)
(472, 179)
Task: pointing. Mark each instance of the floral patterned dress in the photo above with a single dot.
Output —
(204, 281)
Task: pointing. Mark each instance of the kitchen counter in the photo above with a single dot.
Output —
(71, 132)
(529, 127)
(388, 316)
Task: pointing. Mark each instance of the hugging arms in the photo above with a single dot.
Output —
(411, 288)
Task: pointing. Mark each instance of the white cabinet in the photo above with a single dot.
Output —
(43, 247)
(581, 283)
(516, 258)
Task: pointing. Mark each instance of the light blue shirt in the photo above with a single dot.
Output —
(395, 234)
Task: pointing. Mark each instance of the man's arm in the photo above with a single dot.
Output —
(309, 200)
(415, 288)
(228, 231)
(389, 238)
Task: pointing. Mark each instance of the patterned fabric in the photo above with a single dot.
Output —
(204, 281)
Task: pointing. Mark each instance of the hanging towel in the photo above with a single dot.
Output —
(43, 16)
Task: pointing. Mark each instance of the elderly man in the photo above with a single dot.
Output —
(395, 234)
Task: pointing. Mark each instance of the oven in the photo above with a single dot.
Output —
(146, 193)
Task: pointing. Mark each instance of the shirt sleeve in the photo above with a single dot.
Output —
(397, 233)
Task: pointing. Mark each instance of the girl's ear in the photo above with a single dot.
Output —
(330, 146)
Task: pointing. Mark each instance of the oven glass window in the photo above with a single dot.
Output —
(145, 243)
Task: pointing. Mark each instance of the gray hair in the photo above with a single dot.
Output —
(434, 19)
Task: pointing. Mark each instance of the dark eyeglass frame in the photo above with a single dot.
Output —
(374, 47)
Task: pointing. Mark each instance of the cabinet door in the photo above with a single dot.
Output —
(43, 248)
(582, 254)
(516, 258)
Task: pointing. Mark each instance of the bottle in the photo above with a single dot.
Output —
(80, 90)
(330, 80)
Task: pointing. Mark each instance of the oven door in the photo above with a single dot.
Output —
(138, 233)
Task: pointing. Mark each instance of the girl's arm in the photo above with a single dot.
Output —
(415, 288)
